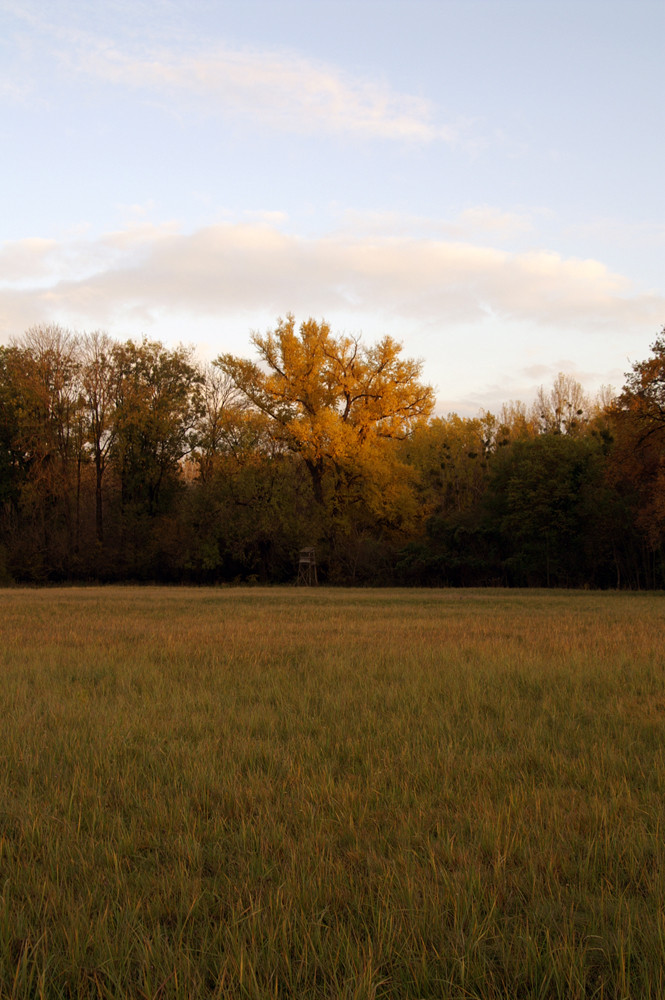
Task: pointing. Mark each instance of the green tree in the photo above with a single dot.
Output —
(43, 370)
(13, 460)
(156, 406)
(637, 461)
(543, 498)
(221, 426)
(98, 384)
(451, 458)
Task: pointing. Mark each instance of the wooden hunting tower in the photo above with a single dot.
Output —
(307, 568)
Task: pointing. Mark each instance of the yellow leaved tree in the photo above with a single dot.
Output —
(331, 400)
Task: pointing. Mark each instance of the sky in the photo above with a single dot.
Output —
(480, 179)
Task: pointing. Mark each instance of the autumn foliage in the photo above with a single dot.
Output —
(123, 461)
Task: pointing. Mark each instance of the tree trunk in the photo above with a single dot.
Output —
(99, 522)
(316, 472)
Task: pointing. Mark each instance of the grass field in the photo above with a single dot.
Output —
(331, 793)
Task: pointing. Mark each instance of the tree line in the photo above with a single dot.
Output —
(134, 462)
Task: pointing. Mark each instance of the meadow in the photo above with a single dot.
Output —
(255, 793)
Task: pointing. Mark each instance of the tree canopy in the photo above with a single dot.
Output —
(328, 399)
(131, 460)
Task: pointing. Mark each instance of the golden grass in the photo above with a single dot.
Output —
(331, 793)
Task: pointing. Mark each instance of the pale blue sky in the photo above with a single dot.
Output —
(482, 180)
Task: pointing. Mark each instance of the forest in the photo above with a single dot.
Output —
(133, 461)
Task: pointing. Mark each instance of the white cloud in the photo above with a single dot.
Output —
(24, 261)
(145, 270)
(481, 317)
(281, 89)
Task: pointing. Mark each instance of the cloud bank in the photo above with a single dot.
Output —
(141, 272)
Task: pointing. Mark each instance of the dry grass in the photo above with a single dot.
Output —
(279, 793)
